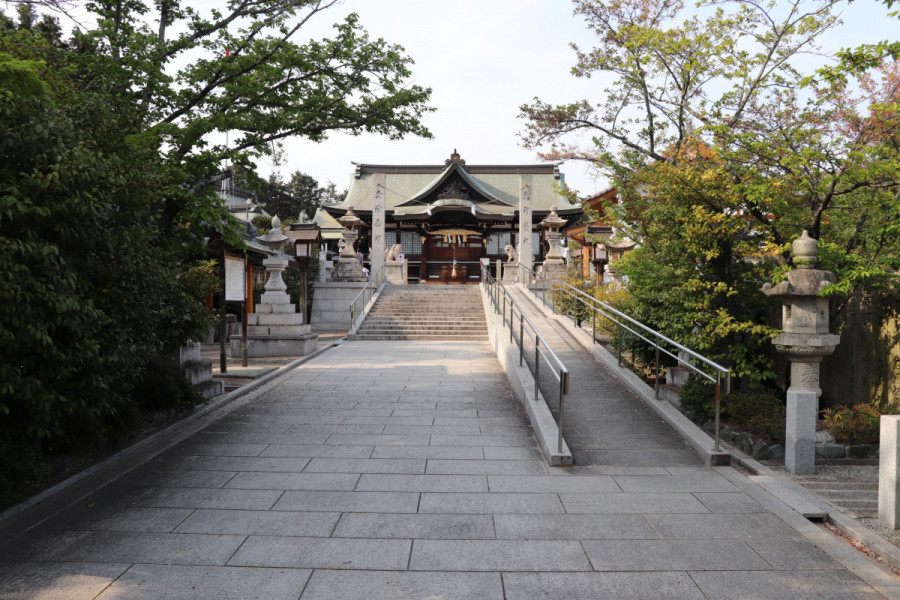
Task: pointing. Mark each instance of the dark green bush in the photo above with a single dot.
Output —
(758, 412)
(164, 388)
(698, 399)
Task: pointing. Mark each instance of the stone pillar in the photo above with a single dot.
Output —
(889, 471)
(376, 258)
(806, 342)
(526, 255)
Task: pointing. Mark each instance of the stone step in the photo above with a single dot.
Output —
(435, 318)
(422, 331)
(461, 338)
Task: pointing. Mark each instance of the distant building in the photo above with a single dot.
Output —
(441, 214)
(240, 202)
(600, 244)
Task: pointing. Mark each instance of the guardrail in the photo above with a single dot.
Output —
(358, 304)
(624, 323)
(501, 299)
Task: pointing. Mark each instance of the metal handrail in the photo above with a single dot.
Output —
(641, 331)
(498, 296)
(373, 285)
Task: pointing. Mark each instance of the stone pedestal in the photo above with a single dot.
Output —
(553, 271)
(800, 434)
(396, 273)
(889, 471)
(276, 328)
(510, 272)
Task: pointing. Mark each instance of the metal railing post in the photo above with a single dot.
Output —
(512, 316)
(537, 366)
(656, 379)
(619, 343)
(563, 386)
(718, 404)
(521, 339)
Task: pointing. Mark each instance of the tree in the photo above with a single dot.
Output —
(105, 165)
(722, 159)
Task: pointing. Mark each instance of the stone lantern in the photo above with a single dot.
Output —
(276, 328)
(348, 267)
(806, 341)
(554, 266)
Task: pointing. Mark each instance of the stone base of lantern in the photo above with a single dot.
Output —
(553, 271)
(276, 329)
(348, 270)
(800, 432)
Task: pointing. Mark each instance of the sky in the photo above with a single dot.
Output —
(483, 59)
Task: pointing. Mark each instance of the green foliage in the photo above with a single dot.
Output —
(720, 162)
(164, 388)
(759, 412)
(90, 288)
(698, 399)
(105, 195)
(858, 424)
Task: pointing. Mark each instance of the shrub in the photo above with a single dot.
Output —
(164, 388)
(858, 424)
(759, 412)
(698, 399)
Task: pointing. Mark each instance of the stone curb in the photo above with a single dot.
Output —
(41, 506)
(888, 551)
(543, 424)
(698, 439)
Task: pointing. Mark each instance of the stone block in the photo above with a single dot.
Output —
(831, 451)
(275, 319)
(275, 298)
(889, 471)
(800, 443)
(862, 451)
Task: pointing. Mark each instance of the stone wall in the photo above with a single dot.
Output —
(331, 305)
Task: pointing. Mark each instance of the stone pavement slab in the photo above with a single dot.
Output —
(314, 488)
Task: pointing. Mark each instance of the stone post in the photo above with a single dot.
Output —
(554, 266)
(379, 244)
(888, 467)
(526, 255)
(806, 342)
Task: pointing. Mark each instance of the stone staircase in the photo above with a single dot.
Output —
(426, 312)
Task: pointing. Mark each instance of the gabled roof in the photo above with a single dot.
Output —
(455, 168)
(493, 190)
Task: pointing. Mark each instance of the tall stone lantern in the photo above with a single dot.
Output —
(348, 267)
(554, 266)
(805, 341)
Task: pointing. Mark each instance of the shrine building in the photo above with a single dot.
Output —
(454, 215)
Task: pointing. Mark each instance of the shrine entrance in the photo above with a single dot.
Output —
(453, 256)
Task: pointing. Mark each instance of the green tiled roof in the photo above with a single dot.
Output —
(499, 186)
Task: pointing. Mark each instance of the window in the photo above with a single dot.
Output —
(497, 242)
(411, 242)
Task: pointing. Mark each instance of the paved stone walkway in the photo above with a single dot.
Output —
(604, 422)
(400, 470)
